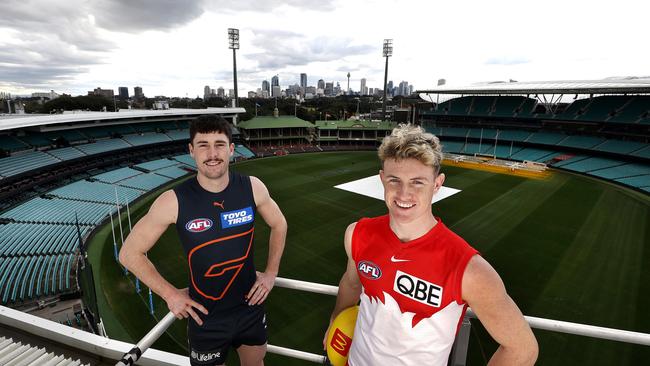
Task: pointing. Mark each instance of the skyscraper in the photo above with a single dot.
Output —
(137, 93)
(275, 81)
(220, 92)
(329, 89)
(265, 86)
(321, 84)
(303, 81)
(363, 90)
(123, 92)
(403, 88)
(206, 92)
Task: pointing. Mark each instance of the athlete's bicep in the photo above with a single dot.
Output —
(485, 293)
(151, 226)
(350, 276)
(266, 206)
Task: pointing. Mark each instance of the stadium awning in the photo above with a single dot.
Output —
(605, 86)
(12, 121)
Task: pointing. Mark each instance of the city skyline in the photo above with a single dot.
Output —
(176, 48)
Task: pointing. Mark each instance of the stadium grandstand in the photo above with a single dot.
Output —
(65, 177)
(61, 176)
(279, 135)
(598, 128)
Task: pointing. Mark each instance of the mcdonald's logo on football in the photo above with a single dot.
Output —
(341, 342)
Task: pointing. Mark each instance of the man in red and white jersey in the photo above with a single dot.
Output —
(415, 277)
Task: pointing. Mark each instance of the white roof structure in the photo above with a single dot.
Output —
(604, 86)
(12, 121)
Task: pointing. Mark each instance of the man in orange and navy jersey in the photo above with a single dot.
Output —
(214, 214)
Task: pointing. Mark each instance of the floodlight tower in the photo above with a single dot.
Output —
(233, 44)
(388, 52)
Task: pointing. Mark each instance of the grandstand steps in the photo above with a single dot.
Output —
(135, 167)
(621, 108)
(129, 143)
(520, 108)
(622, 163)
(561, 141)
(584, 109)
(54, 156)
(82, 199)
(130, 187)
(492, 107)
(15, 353)
(595, 147)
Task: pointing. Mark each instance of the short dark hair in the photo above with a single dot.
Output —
(208, 124)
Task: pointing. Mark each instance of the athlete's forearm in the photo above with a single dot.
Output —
(143, 269)
(348, 295)
(510, 356)
(277, 240)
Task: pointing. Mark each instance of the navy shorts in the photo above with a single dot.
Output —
(209, 343)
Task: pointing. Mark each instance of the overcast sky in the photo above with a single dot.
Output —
(175, 48)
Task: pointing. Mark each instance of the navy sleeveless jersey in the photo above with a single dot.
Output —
(216, 231)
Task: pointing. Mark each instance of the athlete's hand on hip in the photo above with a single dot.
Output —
(181, 305)
(260, 290)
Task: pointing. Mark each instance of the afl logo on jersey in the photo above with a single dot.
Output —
(198, 225)
(369, 270)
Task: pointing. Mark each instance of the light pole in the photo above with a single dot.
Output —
(233, 44)
(388, 52)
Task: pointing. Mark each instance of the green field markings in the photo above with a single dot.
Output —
(113, 326)
(486, 226)
(463, 179)
(602, 264)
(527, 256)
(474, 196)
(597, 279)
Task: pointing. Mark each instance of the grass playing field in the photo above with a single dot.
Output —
(568, 248)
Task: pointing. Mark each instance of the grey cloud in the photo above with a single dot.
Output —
(141, 15)
(282, 48)
(50, 42)
(38, 76)
(269, 5)
(362, 68)
(67, 21)
(507, 60)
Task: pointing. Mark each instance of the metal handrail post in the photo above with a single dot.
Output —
(136, 352)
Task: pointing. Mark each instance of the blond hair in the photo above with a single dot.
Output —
(408, 141)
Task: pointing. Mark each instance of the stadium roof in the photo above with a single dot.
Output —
(605, 86)
(353, 124)
(12, 121)
(273, 122)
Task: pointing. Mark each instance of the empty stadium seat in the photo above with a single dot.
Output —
(157, 164)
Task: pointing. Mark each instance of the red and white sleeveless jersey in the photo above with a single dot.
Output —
(411, 304)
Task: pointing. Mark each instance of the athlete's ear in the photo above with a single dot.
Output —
(439, 181)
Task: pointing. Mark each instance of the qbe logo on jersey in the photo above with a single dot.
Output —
(418, 289)
(237, 217)
(198, 225)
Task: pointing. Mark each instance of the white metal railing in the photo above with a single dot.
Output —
(538, 323)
